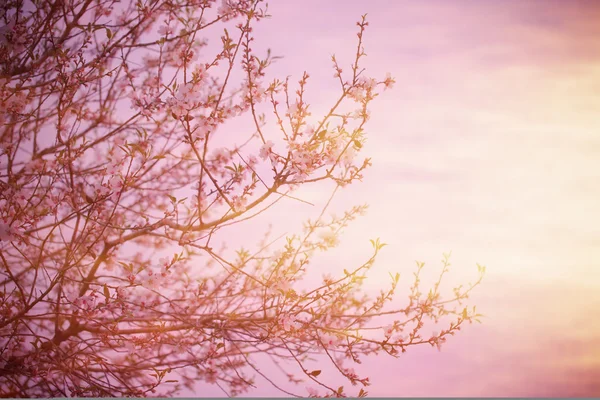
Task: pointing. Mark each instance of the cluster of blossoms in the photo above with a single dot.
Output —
(186, 99)
(147, 100)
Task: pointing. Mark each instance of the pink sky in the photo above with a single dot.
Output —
(488, 146)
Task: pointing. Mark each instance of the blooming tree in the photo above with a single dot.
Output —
(118, 181)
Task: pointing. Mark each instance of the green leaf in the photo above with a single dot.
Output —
(128, 267)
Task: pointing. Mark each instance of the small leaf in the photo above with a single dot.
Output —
(315, 373)
(109, 33)
(128, 267)
(106, 292)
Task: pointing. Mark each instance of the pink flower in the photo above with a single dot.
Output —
(165, 30)
(131, 278)
(389, 81)
(368, 83)
(258, 93)
(225, 8)
(85, 302)
(201, 130)
(328, 279)
(222, 155)
(293, 110)
(35, 166)
(388, 330)
(329, 238)
(238, 203)
(330, 340)
(350, 373)
(121, 293)
(356, 93)
(165, 261)
(152, 281)
(266, 150)
(309, 131)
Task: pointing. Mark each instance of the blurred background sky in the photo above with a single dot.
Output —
(488, 146)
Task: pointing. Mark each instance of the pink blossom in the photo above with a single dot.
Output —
(367, 83)
(201, 130)
(330, 239)
(165, 30)
(34, 166)
(356, 93)
(330, 340)
(238, 203)
(225, 8)
(222, 155)
(389, 81)
(121, 292)
(266, 150)
(151, 281)
(164, 261)
(293, 110)
(85, 302)
(309, 131)
(389, 330)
